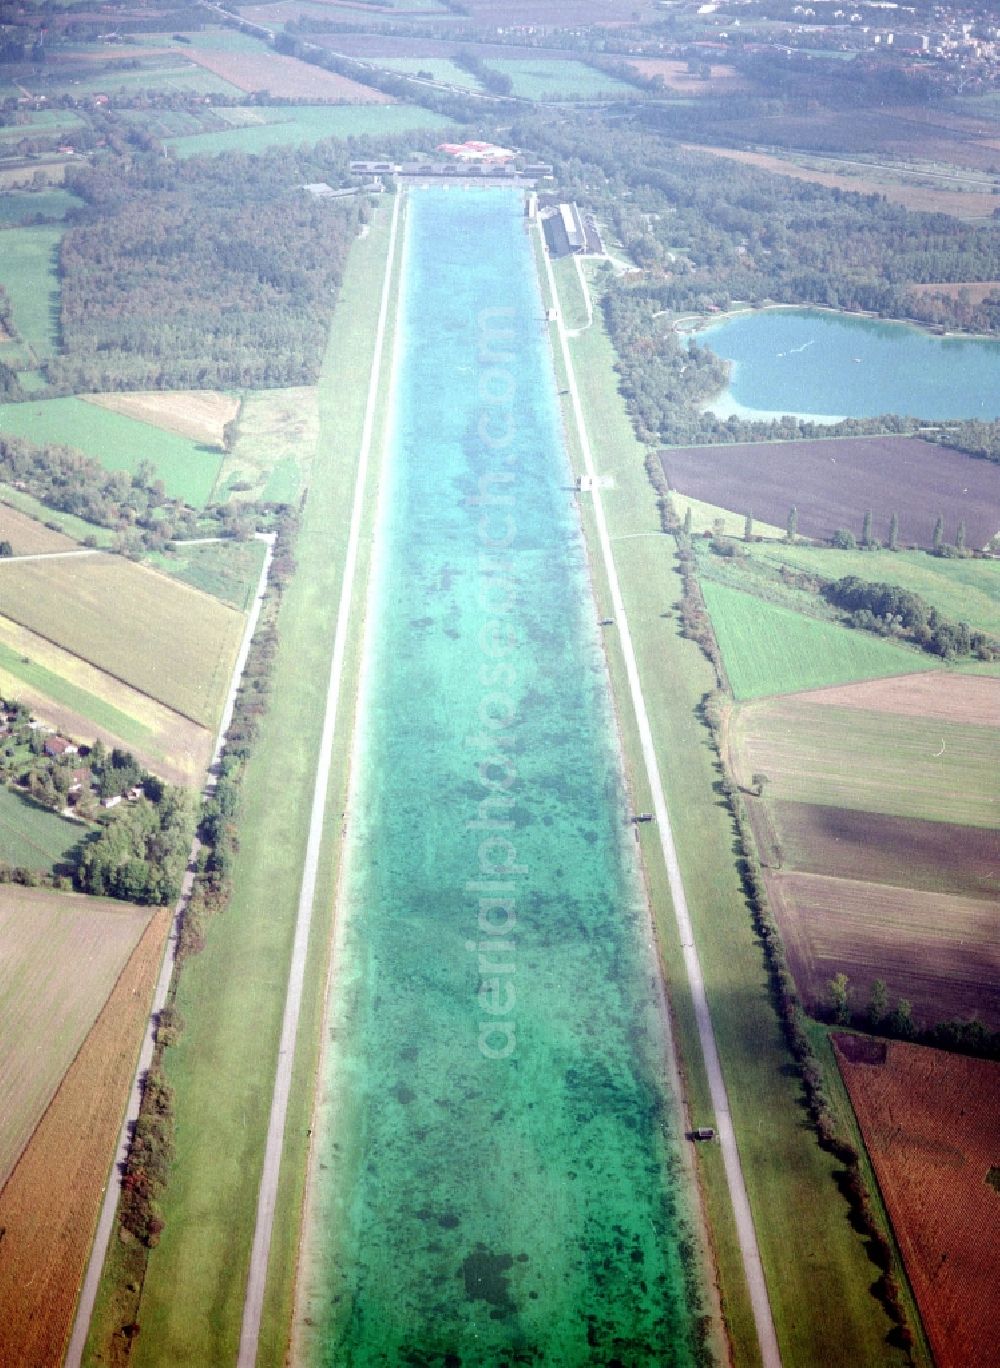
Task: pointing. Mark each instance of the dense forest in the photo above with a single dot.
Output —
(200, 273)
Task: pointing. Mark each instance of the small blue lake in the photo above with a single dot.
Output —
(827, 365)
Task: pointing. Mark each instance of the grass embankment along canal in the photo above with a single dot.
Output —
(232, 995)
(817, 1270)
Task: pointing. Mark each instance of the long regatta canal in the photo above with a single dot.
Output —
(496, 1176)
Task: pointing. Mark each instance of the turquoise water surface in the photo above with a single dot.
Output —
(499, 1183)
(812, 362)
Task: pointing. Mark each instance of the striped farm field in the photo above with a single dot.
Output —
(86, 704)
(931, 1123)
(769, 649)
(285, 77)
(163, 638)
(870, 761)
(29, 537)
(940, 952)
(50, 1203)
(973, 699)
(62, 954)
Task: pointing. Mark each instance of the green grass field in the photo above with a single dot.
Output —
(539, 79)
(961, 590)
(188, 470)
(441, 68)
(574, 304)
(232, 995)
(769, 649)
(162, 638)
(227, 570)
(169, 76)
(274, 448)
(21, 206)
(209, 40)
(28, 258)
(289, 124)
(32, 836)
(705, 517)
(817, 1270)
(871, 761)
(40, 123)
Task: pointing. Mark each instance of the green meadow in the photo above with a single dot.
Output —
(770, 649)
(441, 68)
(21, 206)
(228, 570)
(187, 469)
(32, 836)
(961, 590)
(284, 125)
(28, 262)
(538, 79)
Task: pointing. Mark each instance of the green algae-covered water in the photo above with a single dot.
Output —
(497, 1183)
(815, 362)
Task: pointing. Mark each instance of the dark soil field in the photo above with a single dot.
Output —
(927, 134)
(833, 482)
(935, 856)
(940, 952)
(931, 1123)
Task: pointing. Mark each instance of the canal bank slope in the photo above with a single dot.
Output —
(495, 1168)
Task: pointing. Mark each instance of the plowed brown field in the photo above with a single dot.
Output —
(835, 480)
(965, 204)
(969, 699)
(198, 414)
(286, 77)
(977, 290)
(28, 537)
(931, 1123)
(939, 951)
(50, 1204)
(940, 857)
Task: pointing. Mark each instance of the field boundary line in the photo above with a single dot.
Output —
(268, 1191)
(109, 1208)
(52, 555)
(746, 1232)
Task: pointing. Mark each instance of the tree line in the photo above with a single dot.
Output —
(889, 610)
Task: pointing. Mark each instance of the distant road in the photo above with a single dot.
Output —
(746, 1233)
(268, 1192)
